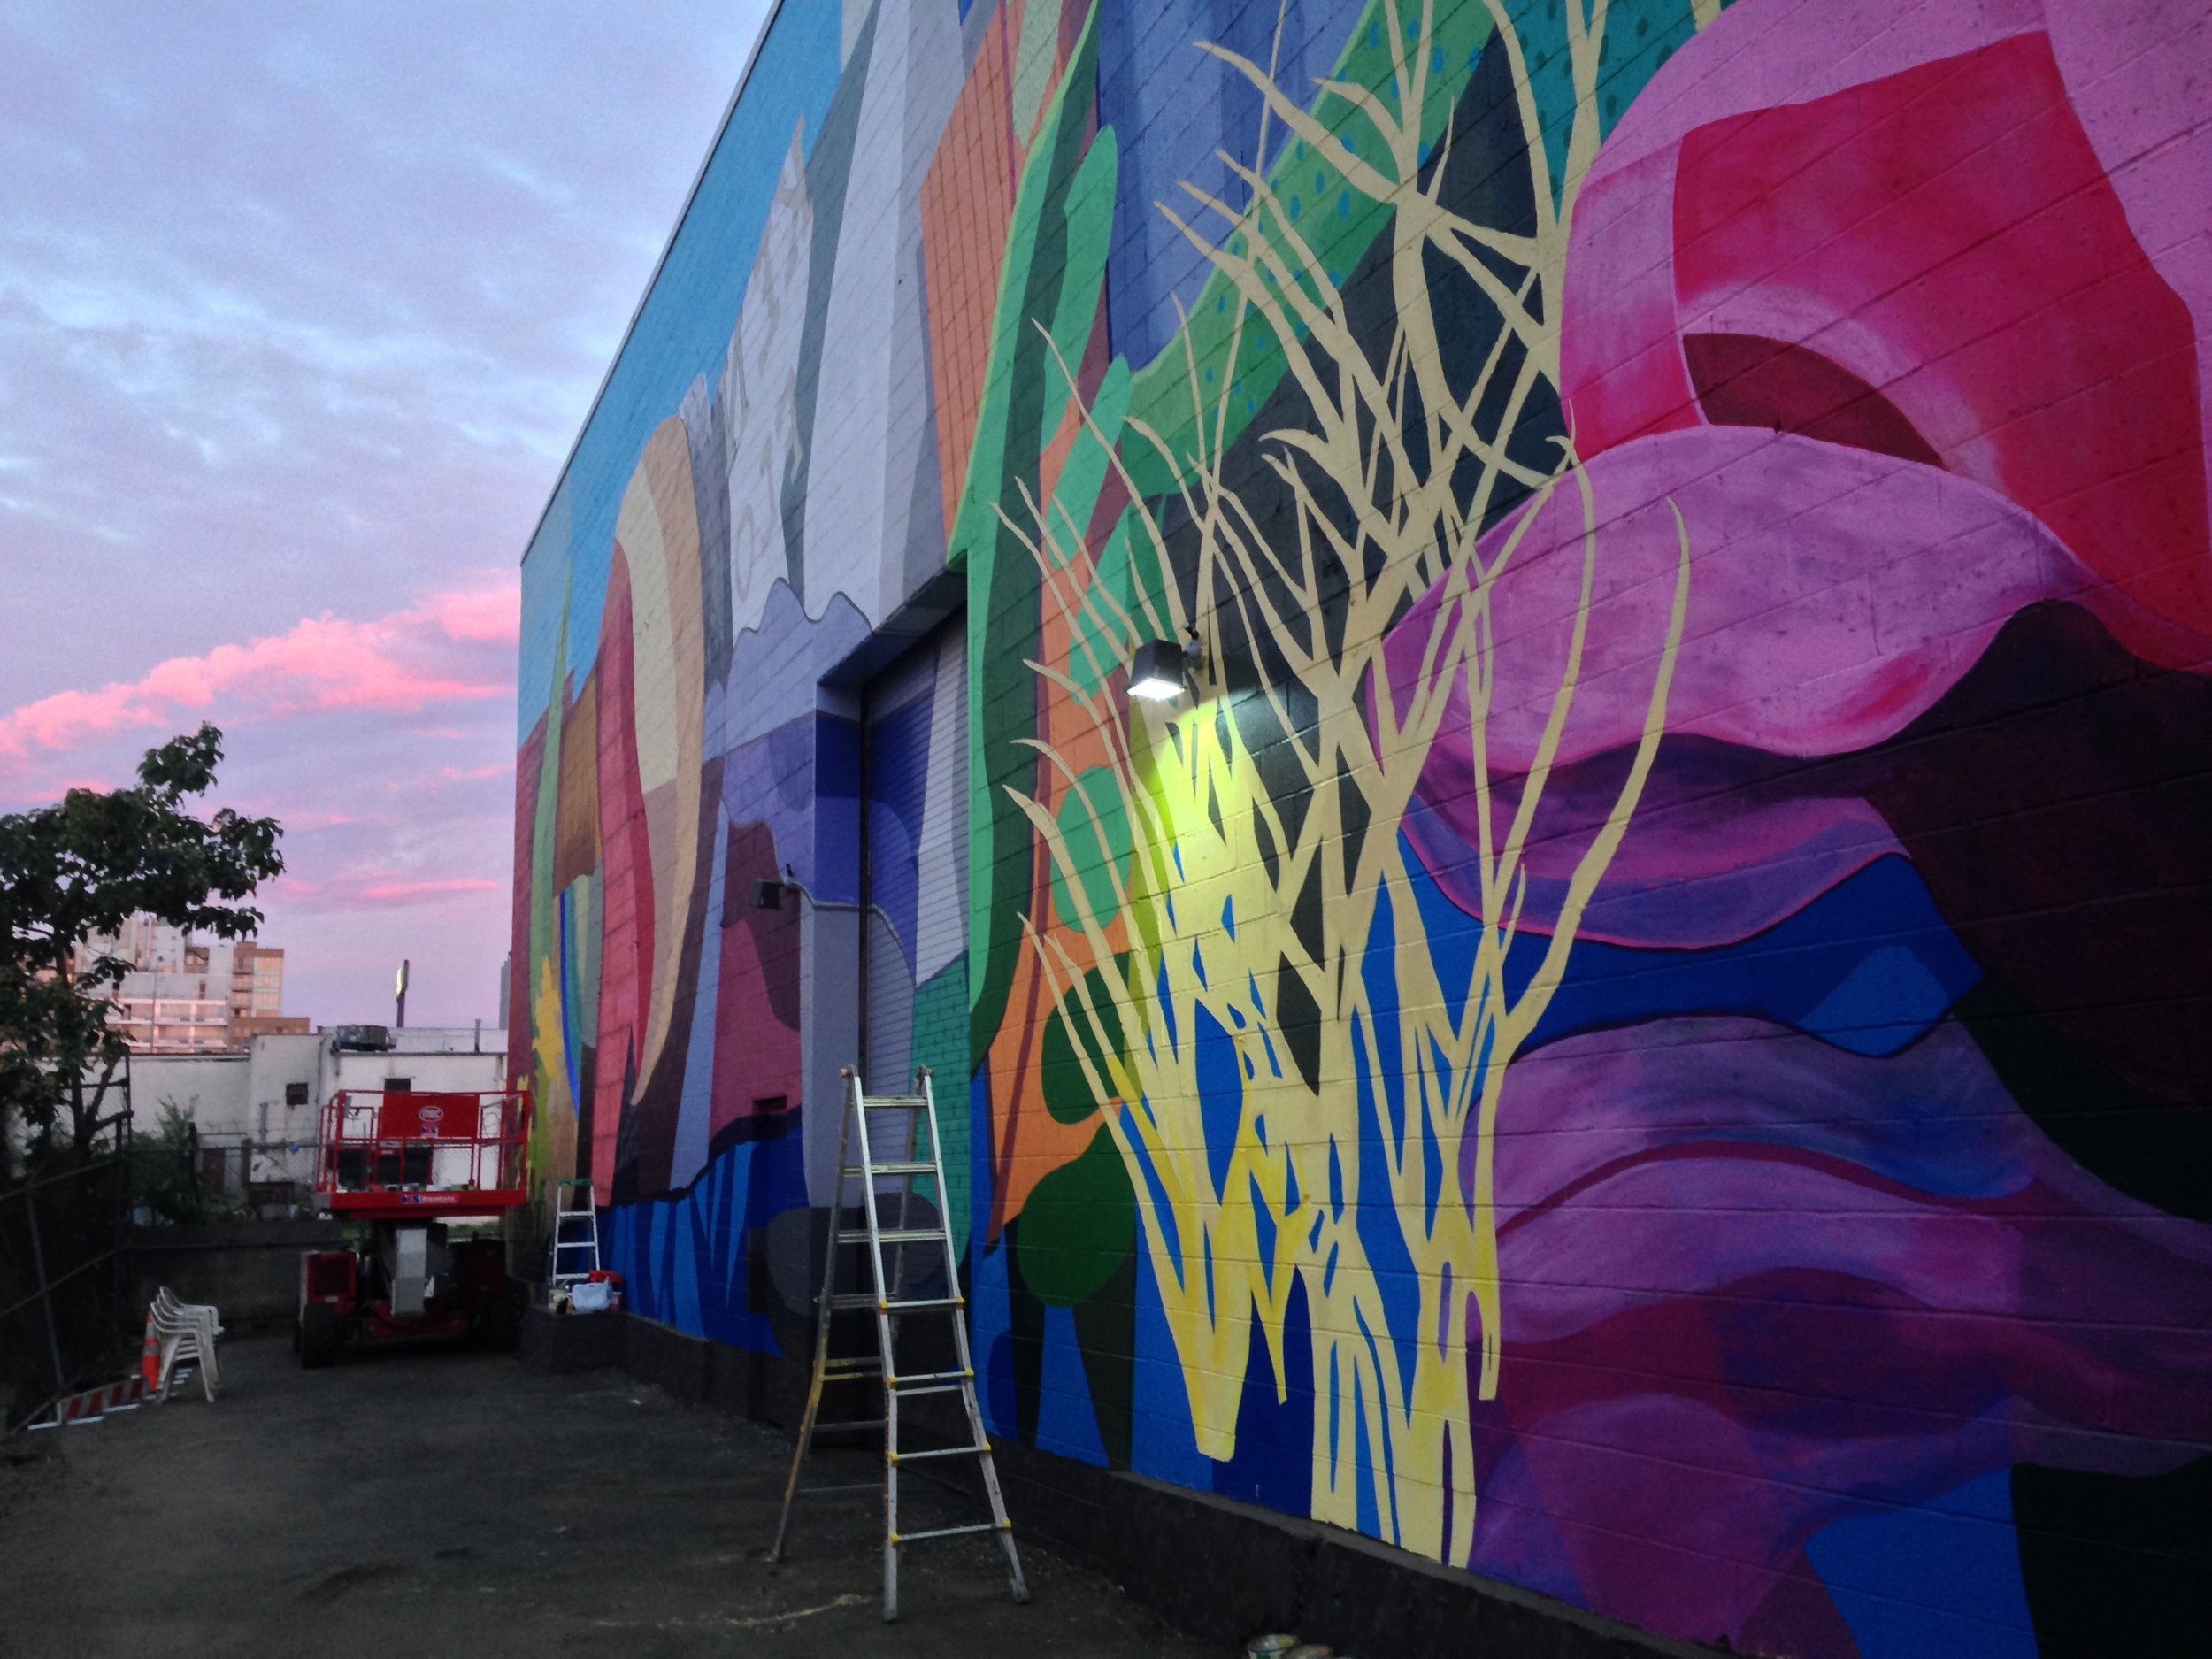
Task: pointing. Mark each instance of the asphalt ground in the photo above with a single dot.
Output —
(431, 1503)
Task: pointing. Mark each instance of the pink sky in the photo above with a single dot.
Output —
(300, 310)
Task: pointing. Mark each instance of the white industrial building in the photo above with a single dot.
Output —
(258, 1112)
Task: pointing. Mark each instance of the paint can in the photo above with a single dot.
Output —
(1274, 1646)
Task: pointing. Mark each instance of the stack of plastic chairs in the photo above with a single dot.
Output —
(186, 1331)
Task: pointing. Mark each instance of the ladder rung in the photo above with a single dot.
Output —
(934, 1388)
(901, 1383)
(892, 1102)
(908, 1166)
(842, 1427)
(952, 1532)
(949, 1451)
(894, 1235)
(865, 1302)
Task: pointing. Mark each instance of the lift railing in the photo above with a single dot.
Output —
(445, 1151)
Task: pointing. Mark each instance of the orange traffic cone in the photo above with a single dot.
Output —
(149, 1357)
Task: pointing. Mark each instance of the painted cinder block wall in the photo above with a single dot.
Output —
(1641, 1028)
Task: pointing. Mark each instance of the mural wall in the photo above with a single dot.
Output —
(1643, 1027)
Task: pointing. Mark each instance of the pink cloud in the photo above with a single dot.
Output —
(489, 615)
(449, 646)
(353, 888)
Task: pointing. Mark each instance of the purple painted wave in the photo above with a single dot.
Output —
(1753, 1285)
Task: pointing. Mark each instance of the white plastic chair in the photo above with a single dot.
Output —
(202, 1314)
(186, 1331)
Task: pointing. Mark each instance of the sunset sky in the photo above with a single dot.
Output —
(300, 311)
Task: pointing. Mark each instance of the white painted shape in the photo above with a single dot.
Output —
(870, 432)
(760, 394)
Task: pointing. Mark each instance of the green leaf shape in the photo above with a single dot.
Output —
(1094, 819)
(1078, 1225)
(1067, 1089)
(1054, 274)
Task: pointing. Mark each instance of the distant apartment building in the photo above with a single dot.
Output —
(185, 995)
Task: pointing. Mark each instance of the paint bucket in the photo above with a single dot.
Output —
(1274, 1646)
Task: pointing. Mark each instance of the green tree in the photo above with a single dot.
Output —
(73, 872)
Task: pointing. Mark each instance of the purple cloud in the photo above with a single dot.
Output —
(299, 314)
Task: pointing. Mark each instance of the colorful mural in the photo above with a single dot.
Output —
(1641, 1028)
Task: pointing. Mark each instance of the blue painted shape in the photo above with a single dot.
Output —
(998, 1387)
(683, 1269)
(1383, 1239)
(1389, 1481)
(1229, 915)
(1934, 1581)
(669, 1250)
(991, 1328)
(1379, 971)
(1161, 1444)
(1273, 1461)
(836, 876)
(1067, 1419)
(682, 333)
(1884, 1004)
(1167, 1013)
(1336, 1417)
(1169, 1231)
(1432, 1170)
(1796, 973)
(1264, 1226)
(1220, 1094)
(1177, 109)
(1369, 1520)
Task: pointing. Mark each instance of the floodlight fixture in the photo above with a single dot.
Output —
(1157, 672)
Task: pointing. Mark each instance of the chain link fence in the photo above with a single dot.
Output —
(64, 1320)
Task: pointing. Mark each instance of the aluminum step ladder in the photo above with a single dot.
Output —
(890, 1141)
(573, 1256)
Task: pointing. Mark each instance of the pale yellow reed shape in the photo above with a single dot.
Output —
(1421, 474)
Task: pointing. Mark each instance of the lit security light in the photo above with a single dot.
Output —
(1155, 673)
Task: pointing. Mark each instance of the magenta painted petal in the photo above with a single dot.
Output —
(1705, 865)
(1753, 1285)
(1754, 58)
(2135, 75)
(1834, 595)
(1677, 1159)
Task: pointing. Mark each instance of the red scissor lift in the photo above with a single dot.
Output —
(404, 1165)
